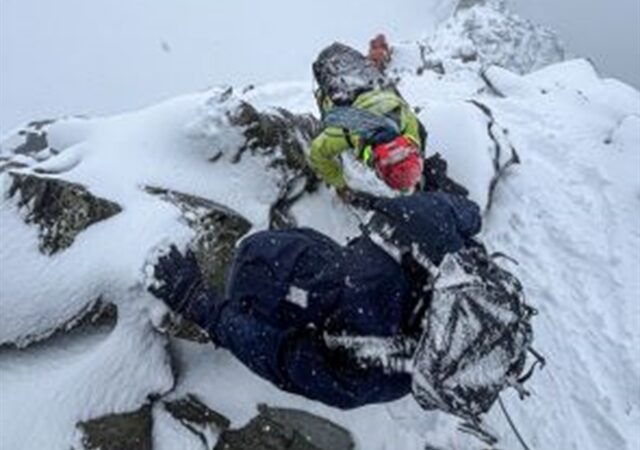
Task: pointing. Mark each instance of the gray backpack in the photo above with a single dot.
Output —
(477, 334)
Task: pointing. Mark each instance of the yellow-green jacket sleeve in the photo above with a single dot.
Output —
(325, 156)
(410, 126)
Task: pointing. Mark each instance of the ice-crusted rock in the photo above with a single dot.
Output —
(282, 137)
(277, 136)
(60, 209)
(482, 33)
(489, 34)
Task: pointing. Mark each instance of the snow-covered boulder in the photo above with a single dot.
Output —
(480, 34)
(58, 182)
(86, 206)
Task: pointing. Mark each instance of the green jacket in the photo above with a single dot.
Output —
(329, 145)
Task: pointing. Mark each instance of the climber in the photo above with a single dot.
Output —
(362, 111)
(379, 52)
(289, 292)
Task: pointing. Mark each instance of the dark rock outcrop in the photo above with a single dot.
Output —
(271, 429)
(282, 137)
(32, 142)
(94, 314)
(35, 138)
(191, 410)
(128, 431)
(197, 417)
(502, 147)
(466, 4)
(60, 209)
(286, 429)
(217, 228)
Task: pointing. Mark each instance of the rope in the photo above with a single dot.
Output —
(540, 360)
(512, 425)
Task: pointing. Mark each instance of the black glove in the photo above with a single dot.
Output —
(437, 179)
(180, 281)
(345, 194)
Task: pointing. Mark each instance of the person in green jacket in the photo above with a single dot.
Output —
(362, 112)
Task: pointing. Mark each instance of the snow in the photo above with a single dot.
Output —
(103, 372)
(456, 127)
(569, 213)
(298, 297)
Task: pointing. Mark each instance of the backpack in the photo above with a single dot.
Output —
(372, 129)
(343, 73)
(477, 333)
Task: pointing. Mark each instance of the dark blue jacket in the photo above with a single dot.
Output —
(286, 288)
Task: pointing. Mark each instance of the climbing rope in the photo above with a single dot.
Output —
(512, 425)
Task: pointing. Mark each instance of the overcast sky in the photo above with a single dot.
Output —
(607, 31)
(103, 56)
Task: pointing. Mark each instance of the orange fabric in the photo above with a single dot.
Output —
(379, 51)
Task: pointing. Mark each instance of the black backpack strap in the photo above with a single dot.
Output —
(422, 132)
(347, 137)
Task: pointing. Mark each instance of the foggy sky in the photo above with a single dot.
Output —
(606, 31)
(104, 56)
(97, 57)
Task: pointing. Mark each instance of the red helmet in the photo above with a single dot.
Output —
(399, 163)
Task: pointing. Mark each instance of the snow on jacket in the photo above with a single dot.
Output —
(332, 142)
(287, 288)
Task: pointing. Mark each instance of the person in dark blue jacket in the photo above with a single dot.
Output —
(288, 290)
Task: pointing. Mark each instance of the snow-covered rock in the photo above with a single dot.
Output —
(480, 34)
(80, 234)
(60, 209)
